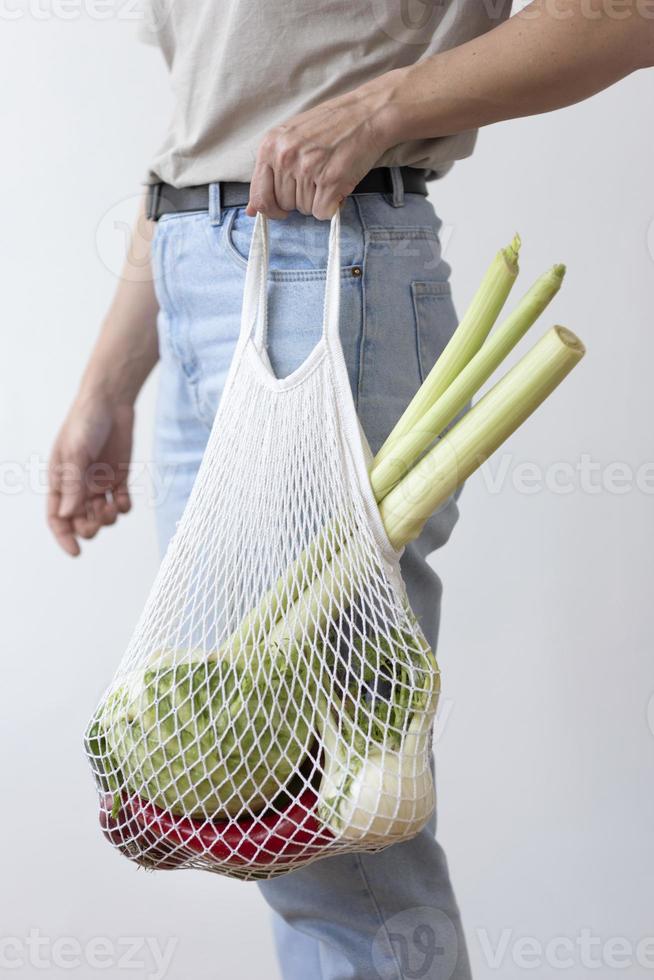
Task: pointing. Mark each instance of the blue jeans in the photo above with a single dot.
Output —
(392, 914)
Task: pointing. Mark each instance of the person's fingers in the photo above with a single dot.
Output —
(304, 194)
(332, 188)
(65, 536)
(285, 190)
(70, 478)
(262, 194)
(86, 527)
(123, 500)
(97, 513)
(104, 510)
(61, 527)
(328, 200)
(109, 513)
(121, 497)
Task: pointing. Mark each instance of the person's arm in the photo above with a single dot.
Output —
(552, 54)
(90, 459)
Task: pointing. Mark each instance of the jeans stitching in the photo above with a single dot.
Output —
(381, 233)
(309, 275)
(165, 219)
(183, 352)
(416, 323)
(424, 289)
(178, 314)
(362, 338)
(434, 287)
(380, 917)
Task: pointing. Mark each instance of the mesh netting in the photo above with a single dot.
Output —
(276, 700)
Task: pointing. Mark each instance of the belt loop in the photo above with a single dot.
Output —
(215, 208)
(397, 182)
(152, 202)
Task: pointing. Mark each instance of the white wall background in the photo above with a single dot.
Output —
(546, 751)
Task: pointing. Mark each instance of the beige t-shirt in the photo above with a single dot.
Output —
(239, 67)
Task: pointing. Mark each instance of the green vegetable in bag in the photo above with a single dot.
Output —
(377, 784)
(209, 738)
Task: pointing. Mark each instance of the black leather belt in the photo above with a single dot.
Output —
(166, 199)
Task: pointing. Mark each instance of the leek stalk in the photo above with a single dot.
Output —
(287, 591)
(480, 432)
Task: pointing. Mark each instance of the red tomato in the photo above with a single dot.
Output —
(136, 842)
(269, 839)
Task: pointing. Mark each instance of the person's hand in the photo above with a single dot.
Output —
(88, 470)
(311, 162)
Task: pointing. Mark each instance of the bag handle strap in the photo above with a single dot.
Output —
(254, 316)
(332, 304)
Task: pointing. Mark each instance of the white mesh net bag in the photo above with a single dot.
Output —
(276, 701)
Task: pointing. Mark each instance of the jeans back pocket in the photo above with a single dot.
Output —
(436, 321)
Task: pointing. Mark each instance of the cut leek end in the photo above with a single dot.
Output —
(511, 253)
(571, 340)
